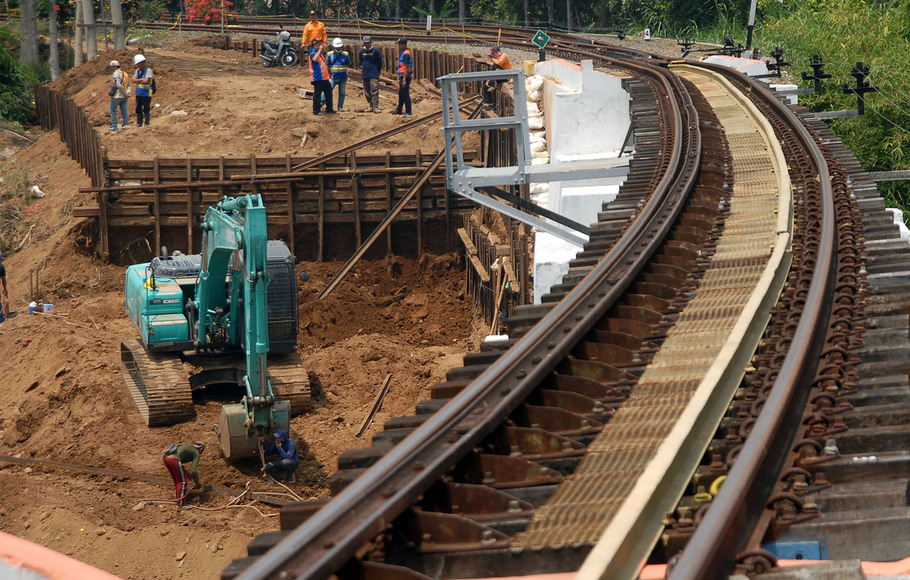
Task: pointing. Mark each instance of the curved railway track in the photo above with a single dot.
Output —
(720, 310)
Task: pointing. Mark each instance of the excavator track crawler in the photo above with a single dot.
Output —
(158, 384)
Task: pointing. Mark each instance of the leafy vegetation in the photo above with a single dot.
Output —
(16, 81)
(843, 33)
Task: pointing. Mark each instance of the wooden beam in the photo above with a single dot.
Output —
(290, 188)
(355, 192)
(388, 193)
(157, 210)
(321, 255)
(473, 257)
(189, 207)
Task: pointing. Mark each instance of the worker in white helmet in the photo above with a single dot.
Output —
(145, 88)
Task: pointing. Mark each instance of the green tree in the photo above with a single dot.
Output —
(16, 81)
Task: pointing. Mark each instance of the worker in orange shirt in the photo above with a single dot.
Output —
(314, 29)
(500, 61)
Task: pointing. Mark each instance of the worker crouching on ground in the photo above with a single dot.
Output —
(176, 456)
(285, 467)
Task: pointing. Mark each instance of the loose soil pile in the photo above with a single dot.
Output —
(63, 404)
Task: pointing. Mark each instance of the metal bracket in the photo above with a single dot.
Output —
(466, 180)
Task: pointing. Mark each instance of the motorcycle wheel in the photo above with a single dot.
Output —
(289, 58)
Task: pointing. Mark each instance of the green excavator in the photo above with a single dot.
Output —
(225, 316)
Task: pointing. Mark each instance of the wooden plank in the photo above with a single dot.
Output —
(471, 251)
(157, 211)
(419, 160)
(388, 192)
(189, 207)
(321, 253)
(358, 233)
(290, 194)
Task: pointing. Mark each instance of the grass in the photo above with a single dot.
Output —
(843, 34)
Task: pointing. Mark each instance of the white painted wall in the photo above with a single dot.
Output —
(587, 117)
(586, 111)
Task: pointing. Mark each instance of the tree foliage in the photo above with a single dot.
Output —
(842, 33)
(16, 81)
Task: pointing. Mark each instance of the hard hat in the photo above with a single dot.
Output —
(138, 58)
(337, 43)
(115, 63)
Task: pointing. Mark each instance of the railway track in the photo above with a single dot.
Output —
(737, 297)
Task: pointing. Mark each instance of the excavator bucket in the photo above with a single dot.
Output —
(238, 441)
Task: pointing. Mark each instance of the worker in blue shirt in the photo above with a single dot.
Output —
(338, 61)
(370, 65)
(286, 466)
(405, 70)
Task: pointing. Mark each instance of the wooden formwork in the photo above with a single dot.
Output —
(355, 190)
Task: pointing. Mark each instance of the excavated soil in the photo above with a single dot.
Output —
(77, 459)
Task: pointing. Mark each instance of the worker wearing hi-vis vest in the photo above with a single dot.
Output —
(405, 70)
(499, 61)
(338, 61)
(319, 76)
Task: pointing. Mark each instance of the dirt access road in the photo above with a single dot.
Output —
(63, 406)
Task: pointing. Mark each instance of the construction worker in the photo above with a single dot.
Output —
(176, 457)
(499, 61)
(321, 79)
(370, 65)
(314, 29)
(338, 61)
(119, 92)
(285, 467)
(405, 70)
(143, 81)
(5, 301)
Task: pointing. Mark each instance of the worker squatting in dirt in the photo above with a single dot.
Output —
(285, 467)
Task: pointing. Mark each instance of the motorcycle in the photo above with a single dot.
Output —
(280, 52)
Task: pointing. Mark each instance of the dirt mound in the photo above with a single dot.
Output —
(219, 102)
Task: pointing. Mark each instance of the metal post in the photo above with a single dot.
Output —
(750, 28)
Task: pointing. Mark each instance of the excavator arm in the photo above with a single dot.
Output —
(235, 248)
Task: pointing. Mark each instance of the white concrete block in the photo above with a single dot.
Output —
(582, 204)
(551, 262)
(748, 66)
(791, 99)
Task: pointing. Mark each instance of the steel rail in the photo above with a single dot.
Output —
(334, 534)
(727, 527)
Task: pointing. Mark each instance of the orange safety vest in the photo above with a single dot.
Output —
(318, 70)
(405, 62)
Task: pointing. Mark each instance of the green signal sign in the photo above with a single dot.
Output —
(540, 39)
